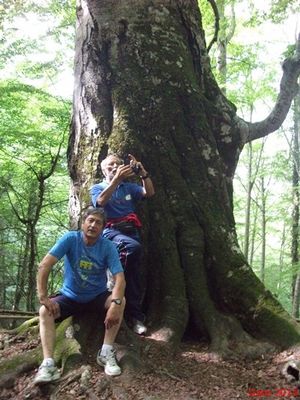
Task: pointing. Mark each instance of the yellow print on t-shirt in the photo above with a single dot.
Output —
(84, 264)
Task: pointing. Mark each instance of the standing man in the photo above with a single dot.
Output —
(119, 199)
(87, 256)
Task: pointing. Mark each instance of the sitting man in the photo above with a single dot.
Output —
(119, 198)
(88, 255)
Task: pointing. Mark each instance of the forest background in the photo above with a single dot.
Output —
(36, 62)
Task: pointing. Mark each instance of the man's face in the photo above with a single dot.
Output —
(92, 226)
(110, 167)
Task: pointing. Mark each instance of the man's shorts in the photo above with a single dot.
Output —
(70, 307)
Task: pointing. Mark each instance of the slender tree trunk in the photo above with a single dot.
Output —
(3, 278)
(253, 235)
(22, 274)
(227, 28)
(295, 213)
(263, 229)
(31, 280)
(248, 201)
(281, 260)
(222, 46)
(26, 282)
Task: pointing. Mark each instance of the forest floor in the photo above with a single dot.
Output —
(190, 374)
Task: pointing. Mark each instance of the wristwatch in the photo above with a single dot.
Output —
(117, 301)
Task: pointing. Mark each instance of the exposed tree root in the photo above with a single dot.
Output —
(83, 374)
(66, 351)
(11, 368)
(75, 340)
(30, 325)
(7, 379)
(230, 341)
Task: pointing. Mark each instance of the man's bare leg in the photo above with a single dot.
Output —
(111, 333)
(47, 371)
(47, 332)
(106, 356)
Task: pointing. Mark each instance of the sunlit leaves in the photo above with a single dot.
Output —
(37, 42)
(33, 138)
(34, 125)
(33, 122)
(280, 9)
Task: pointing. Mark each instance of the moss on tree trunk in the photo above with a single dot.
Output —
(143, 84)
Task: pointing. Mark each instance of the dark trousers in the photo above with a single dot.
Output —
(130, 251)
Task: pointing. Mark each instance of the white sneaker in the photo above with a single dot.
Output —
(109, 362)
(46, 374)
(139, 327)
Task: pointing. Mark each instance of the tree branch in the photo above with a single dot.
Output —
(217, 23)
(288, 89)
(232, 25)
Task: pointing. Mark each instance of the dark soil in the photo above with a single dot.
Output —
(192, 373)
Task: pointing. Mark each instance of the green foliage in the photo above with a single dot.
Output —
(278, 281)
(276, 169)
(34, 127)
(290, 51)
(37, 41)
(281, 8)
(208, 18)
(32, 121)
(8, 9)
(276, 11)
(248, 81)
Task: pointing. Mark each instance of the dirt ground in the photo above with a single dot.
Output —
(190, 374)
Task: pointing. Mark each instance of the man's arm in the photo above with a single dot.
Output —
(42, 281)
(148, 185)
(114, 311)
(146, 179)
(123, 172)
(119, 287)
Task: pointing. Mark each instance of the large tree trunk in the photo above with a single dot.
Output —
(143, 84)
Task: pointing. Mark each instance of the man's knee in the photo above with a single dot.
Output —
(136, 247)
(42, 311)
(44, 314)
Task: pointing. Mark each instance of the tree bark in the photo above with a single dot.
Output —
(143, 85)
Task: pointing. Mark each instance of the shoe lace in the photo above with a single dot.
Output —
(111, 358)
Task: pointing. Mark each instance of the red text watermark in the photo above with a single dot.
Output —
(282, 392)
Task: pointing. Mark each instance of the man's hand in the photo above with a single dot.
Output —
(113, 316)
(123, 172)
(137, 165)
(52, 306)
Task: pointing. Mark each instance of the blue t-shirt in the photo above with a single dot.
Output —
(123, 200)
(85, 266)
